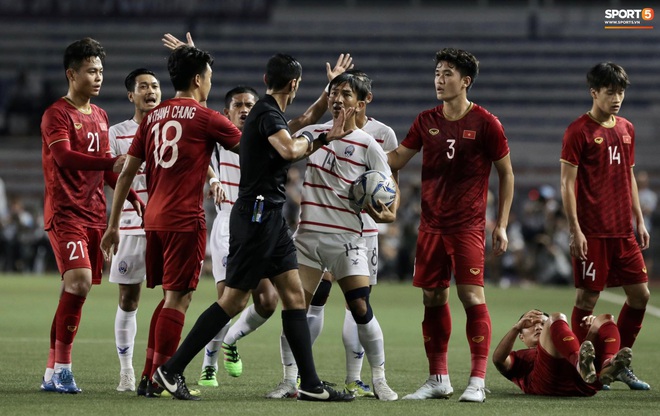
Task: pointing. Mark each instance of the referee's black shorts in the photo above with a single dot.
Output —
(258, 250)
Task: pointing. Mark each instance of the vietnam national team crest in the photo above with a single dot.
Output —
(350, 149)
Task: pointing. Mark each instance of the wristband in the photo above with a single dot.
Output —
(323, 138)
(308, 136)
(213, 180)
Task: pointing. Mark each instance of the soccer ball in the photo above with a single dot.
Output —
(370, 187)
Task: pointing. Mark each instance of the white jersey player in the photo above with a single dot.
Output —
(329, 234)
(128, 267)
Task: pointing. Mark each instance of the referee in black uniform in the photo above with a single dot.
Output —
(260, 242)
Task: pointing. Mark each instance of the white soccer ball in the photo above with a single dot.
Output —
(370, 187)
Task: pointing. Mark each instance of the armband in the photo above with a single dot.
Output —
(213, 180)
(308, 136)
(323, 138)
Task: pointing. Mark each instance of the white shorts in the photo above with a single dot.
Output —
(372, 256)
(220, 245)
(128, 266)
(341, 254)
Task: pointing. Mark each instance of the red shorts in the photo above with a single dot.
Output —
(556, 377)
(439, 255)
(174, 259)
(77, 247)
(611, 262)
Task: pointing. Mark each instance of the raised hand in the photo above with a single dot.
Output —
(344, 62)
(172, 42)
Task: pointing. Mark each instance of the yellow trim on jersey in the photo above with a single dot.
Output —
(608, 124)
(60, 140)
(567, 162)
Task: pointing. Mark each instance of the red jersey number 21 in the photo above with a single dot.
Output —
(161, 143)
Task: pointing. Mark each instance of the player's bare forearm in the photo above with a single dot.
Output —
(501, 354)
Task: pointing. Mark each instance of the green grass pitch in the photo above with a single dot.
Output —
(28, 303)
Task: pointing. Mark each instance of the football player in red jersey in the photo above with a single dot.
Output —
(556, 361)
(460, 142)
(600, 196)
(76, 159)
(176, 140)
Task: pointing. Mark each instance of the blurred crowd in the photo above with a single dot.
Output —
(538, 234)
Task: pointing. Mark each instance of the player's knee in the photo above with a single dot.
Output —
(358, 303)
(556, 316)
(266, 304)
(322, 293)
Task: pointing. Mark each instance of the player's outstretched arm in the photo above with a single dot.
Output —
(399, 157)
(314, 113)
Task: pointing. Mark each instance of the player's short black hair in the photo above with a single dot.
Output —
(361, 75)
(129, 82)
(357, 84)
(544, 314)
(81, 50)
(466, 63)
(240, 89)
(184, 63)
(607, 74)
(280, 70)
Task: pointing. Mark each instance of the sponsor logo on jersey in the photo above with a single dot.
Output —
(610, 340)
(434, 132)
(627, 139)
(78, 126)
(568, 338)
(72, 328)
(644, 270)
(104, 127)
(478, 339)
(469, 134)
(598, 140)
(427, 339)
(123, 267)
(350, 149)
(475, 271)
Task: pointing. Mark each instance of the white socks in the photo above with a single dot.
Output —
(212, 349)
(248, 322)
(125, 330)
(352, 348)
(371, 338)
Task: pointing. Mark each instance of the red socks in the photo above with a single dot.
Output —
(576, 320)
(565, 341)
(436, 329)
(607, 343)
(67, 318)
(151, 341)
(629, 323)
(478, 331)
(168, 334)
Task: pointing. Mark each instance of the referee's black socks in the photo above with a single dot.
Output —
(296, 330)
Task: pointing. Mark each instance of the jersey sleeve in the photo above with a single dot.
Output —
(137, 148)
(270, 123)
(112, 140)
(497, 145)
(223, 131)
(55, 126)
(389, 140)
(631, 129)
(571, 146)
(377, 158)
(413, 139)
